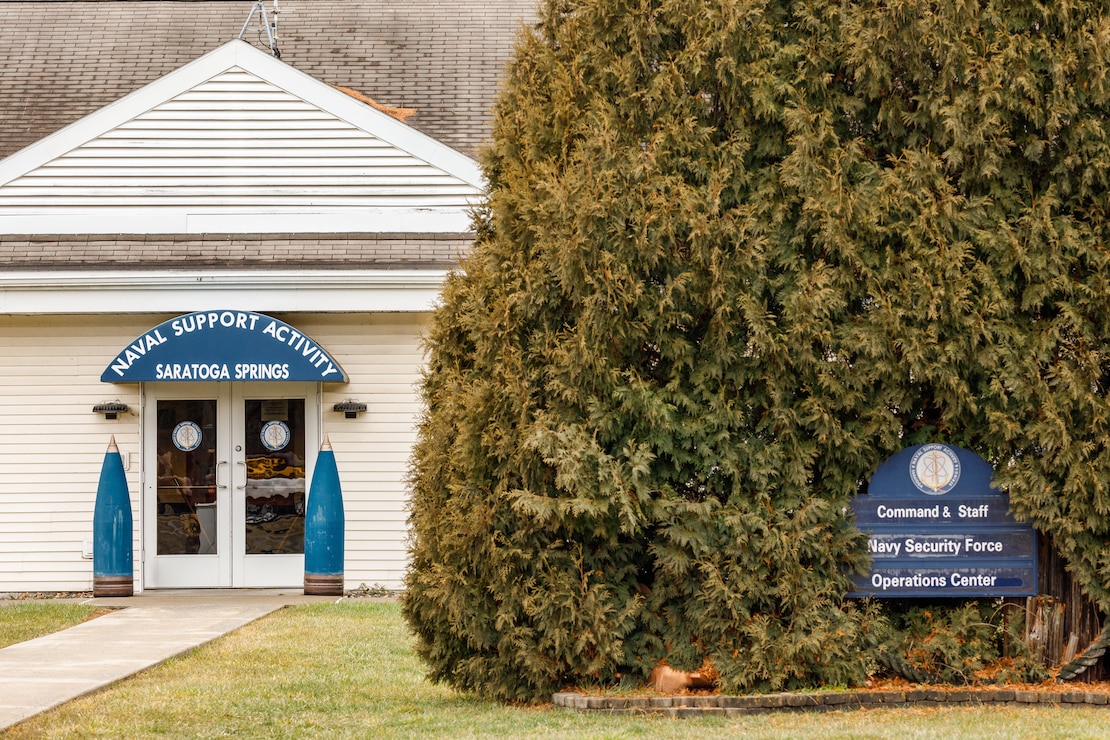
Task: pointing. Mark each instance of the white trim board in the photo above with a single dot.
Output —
(323, 291)
(233, 221)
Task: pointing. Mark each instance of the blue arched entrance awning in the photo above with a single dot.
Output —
(223, 346)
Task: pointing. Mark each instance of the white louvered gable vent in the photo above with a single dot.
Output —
(238, 153)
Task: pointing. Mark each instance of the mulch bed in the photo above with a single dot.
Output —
(41, 595)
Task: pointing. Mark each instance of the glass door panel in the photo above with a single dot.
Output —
(186, 504)
(275, 489)
(186, 513)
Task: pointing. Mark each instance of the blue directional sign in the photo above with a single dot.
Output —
(936, 528)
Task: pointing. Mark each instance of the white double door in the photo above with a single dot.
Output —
(225, 474)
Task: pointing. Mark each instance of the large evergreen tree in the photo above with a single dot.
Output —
(735, 254)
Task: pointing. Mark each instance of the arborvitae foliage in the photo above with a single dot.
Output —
(975, 642)
(735, 255)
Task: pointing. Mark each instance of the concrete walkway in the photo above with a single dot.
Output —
(146, 630)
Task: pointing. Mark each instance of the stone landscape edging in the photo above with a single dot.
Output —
(818, 701)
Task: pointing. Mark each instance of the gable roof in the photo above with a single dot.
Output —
(237, 141)
(64, 59)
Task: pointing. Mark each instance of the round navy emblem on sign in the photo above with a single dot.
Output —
(187, 436)
(935, 469)
(275, 435)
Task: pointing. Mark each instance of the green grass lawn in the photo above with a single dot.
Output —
(26, 620)
(348, 670)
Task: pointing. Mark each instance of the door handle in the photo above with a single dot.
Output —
(244, 486)
(218, 464)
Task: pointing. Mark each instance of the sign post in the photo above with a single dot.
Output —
(937, 529)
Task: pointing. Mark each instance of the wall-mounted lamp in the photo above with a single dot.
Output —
(350, 409)
(111, 409)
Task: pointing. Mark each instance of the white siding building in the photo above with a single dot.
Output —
(229, 245)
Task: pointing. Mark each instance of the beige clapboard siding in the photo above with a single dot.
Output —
(52, 446)
(236, 142)
(48, 490)
(383, 357)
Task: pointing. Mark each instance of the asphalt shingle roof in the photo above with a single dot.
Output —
(62, 60)
(231, 251)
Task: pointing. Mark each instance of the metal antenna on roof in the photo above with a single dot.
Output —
(259, 9)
